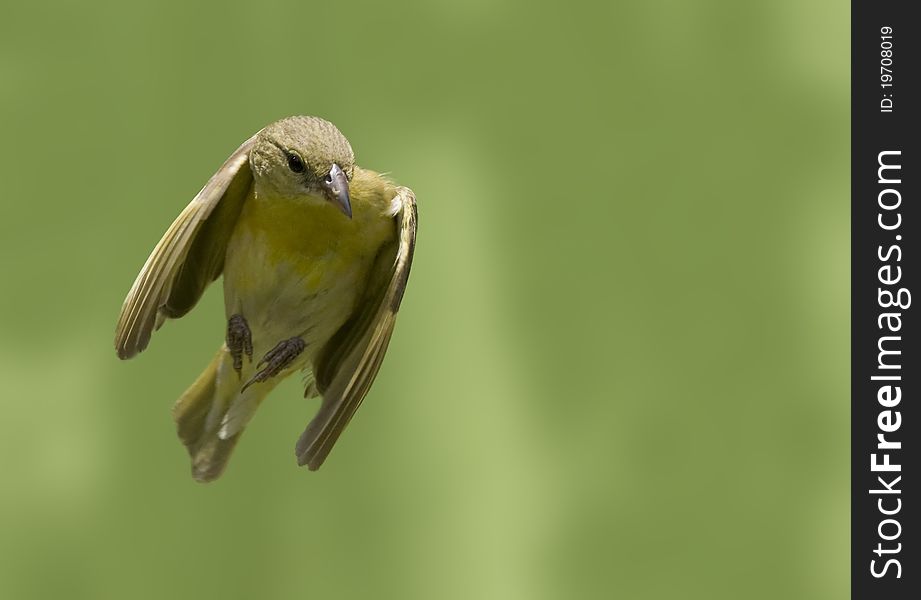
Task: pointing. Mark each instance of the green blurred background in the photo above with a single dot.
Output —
(621, 369)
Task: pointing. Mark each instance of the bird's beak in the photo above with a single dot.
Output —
(336, 186)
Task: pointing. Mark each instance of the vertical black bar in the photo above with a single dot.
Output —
(884, 327)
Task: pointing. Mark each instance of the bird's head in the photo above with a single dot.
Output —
(304, 158)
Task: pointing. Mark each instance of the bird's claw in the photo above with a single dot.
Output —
(276, 360)
(239, 341)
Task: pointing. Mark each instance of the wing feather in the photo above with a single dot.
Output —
(169, 283)
(346, 373)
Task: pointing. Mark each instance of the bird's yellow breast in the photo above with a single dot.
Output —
(297, 267)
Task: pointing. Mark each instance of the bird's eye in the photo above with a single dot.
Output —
(295, 163)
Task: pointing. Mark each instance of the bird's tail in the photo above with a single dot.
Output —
(199, 414)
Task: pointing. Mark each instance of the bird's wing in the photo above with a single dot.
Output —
(350, 361)
(188, 257)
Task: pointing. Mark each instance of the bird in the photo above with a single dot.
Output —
(315, 253)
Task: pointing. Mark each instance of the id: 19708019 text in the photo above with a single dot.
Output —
(885, 69)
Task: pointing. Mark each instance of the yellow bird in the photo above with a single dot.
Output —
(315, 253)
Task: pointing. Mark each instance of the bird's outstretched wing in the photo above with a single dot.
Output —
(188, 257)
(349, 363)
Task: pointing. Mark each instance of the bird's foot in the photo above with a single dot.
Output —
(239, 341)
(276, 360)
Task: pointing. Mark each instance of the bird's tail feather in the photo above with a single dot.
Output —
(200, 435)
